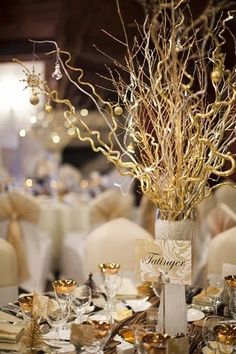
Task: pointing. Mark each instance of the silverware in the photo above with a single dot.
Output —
(11, 322)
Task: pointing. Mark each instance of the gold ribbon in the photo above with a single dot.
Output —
(14, 237)
(15, 207)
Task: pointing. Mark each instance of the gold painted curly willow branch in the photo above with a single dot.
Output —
(175, 119)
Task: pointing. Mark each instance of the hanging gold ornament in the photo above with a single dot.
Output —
(48, 108)
(34, 99)
(118, 110)
(216, 76)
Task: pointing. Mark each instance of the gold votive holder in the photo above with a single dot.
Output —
(109, 268)
(226, 334)
(64, 286)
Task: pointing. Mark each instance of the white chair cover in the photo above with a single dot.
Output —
(106, 206)
(226, 194)
(220, 218)
(18, 224)
(8, 273)
(113, 241)
(222, 249)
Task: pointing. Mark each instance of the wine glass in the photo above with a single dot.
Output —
(63, 289)
(81, 299)
(93, 335)
(26, 306)
(112, 283)
(208, 332)
(214, 292)
(57, 317)
(147, 340)
(232, 302)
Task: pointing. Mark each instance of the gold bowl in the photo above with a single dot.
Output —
(226, 333)
(109, 268)
(64, 286)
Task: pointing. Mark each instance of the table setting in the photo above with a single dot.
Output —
(86, 318)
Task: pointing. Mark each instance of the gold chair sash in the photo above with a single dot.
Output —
(107, 206)
(16, 207)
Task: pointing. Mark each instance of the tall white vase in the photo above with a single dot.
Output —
(172, 317)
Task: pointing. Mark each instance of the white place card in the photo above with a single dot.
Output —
(164, 257)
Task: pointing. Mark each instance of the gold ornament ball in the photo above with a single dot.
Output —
(34, 99)
(48, 108)
(216, 76)
(118, 110)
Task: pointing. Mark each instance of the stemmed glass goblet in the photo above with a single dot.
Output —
(81, 299)
(63, 289)
(91, 336)
(57, 317)
(112, 282)
(214, 292)
(26, 306)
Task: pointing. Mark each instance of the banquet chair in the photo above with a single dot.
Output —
(8, 273)
(220, 218)
(222, 249)
(106, 206)
(226, 194)
(19, 215)
(114, 241)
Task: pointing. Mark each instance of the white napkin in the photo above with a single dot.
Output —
(139, 304)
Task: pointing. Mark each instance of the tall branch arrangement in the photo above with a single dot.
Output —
(174, 119)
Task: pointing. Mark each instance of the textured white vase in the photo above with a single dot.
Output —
(172, 318)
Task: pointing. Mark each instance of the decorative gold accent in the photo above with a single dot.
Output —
(118, 110)
(127, 334)
(48, 108)
(109, 268)
(181, 137)
(226, 333)
(64, 286)
(34, 100)
(32, 339)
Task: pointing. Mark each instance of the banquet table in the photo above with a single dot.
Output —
(195, 332)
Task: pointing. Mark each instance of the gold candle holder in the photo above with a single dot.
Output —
(64, 286)
(226, 334)
(109, 268)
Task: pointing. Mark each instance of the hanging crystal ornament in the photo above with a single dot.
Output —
(57, 74)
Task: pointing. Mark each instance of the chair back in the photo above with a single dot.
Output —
(8, 273)
(109, 205)
(114, 241)
(220, 218)
(15, 207)
(226, 194)
(222, 249)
